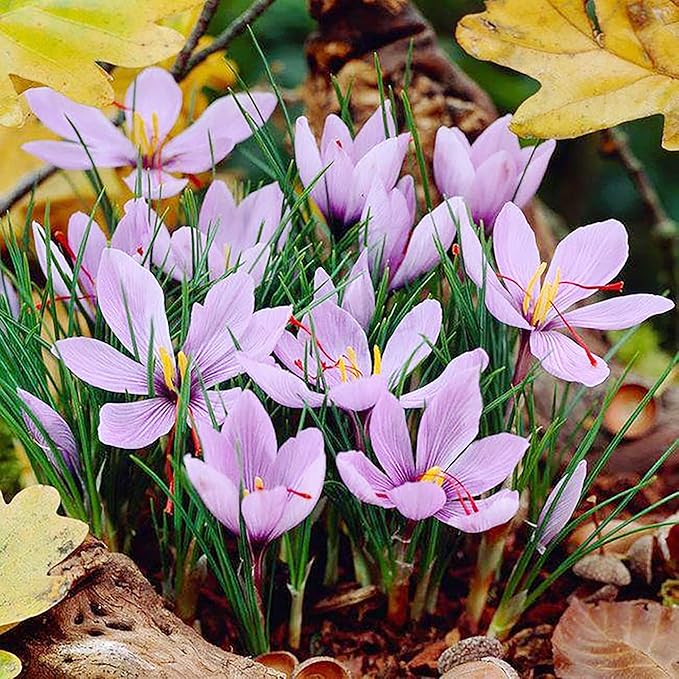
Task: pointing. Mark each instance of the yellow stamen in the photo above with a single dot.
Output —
(377, 360)
(139, 134)
(183, 362)
(227, 256)
(353, 362)
(246, 492)
(343, 369)
(531, 284)
(259, 484)
(545, 299)
(156, 130)
(168, 368)
(434, 475)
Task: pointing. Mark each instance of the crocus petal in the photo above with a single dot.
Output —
(54, 426)
(516, 252)
(450, 422)
(154, 184)
(218, 209)
(367, 482)
(309, 163)
(254, 261)
(591, 255)
(487, 462)
(212, 137)
(411, 341)
(565, 359)
(359, 294)
(189, 248)
(373, 130)
(390, 439)
(66, 155)
(249, 431)
(496, 137)
(434, 233)
(617, 313)
(102, 366)
(263, 511)
(280, 385)
(133, 304)
(85, 236)
(537, 159)
(493, 186)
(300, 468)
(8, 291)
(225, 314)
(261, 211)
(222, 401)
(135, 425)
(498, 300)
(563, 509)
(217, 452)
(339, 191)
(417, 500)
(453, 168)
(264, 331)
(106, 145)
(475, 361)
(155, 96)
(57, 267)
(324, 288)
(492, 511)
(217, 492)
(358, 394)
(335, 131)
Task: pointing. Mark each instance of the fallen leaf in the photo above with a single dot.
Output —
(617, 639)
(33, 539)
(595, 73)
(10, 665)
(57, 42)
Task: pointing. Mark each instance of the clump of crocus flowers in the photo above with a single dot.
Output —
(260, 369)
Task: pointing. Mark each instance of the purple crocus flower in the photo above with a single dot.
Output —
(132, 304)
(449, 470)
(347, 167)
(564, 507)
(491, 171)
(243, 471)
(330, 356)
(152, 105)
(395, 243)
(41, 419)
(236, 235)
(583, 262)
(8, 291)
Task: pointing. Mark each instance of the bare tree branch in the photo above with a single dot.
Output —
(180, 66)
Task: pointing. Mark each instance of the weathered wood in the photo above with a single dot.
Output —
(113, 624)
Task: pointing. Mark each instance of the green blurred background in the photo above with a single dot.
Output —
(581, 185)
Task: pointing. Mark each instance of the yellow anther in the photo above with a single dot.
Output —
(246, 492)
(156, 130)
(342, 366)
(353, 359)
(434, 475)
(531, 284)
(139, 134)
(227, 255)
(259, 484)
(545, 299)
(183, 362)
(377, 360)
(168, 368)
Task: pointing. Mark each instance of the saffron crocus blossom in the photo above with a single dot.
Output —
(449, 470)
(244, 472)
(566, 501)
(41, 419)
(345, 168)
(152, 105)
(491, 171)
(329, 356)
(10, 294)
(140, 233)
(527, 294)
(236, 235)
(392, 241)
(132, 304)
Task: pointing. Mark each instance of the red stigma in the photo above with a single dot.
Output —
(304, 496)
(455, 250)
(195, 181)
(140, 251)
(120, 106)
(611, 287)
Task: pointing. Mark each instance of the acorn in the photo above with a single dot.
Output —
(468, 650)
(283, 661)
(321, 667)
(486, 668)
(603, 568)
(640, 558)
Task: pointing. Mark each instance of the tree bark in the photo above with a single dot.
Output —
(113, 624)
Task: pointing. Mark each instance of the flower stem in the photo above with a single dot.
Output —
(330, 576)
(296, 615)
(522, 358)
(399, 586)
(419, 603)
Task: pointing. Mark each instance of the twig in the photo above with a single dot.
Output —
(179, 68)
(233, 30)
(27, 183)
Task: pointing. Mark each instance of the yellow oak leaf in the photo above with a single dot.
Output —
(10, 665)
(33, 539)
(596, 70)
(57, 42)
